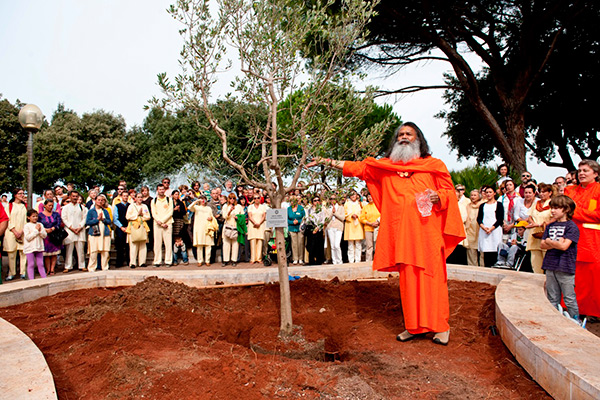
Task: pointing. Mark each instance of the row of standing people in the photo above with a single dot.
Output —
(490, 221)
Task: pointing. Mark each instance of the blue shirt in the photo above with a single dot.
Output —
(295, 215)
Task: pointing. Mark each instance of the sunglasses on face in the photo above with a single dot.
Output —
(525, 176)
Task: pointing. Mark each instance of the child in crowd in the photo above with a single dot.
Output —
(560, 240)
(179, 251)
(206, 191)
(507, 252)
(33, 245)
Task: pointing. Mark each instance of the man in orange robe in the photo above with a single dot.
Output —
(414, 245)
(586, 196)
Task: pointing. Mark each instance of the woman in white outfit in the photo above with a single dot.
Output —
(335, 228)
(490, 219)
(13, 237)
(230, 212)
(257, 215)
(203, 237)
(137, 214)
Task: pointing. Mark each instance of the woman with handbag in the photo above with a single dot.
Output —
(230, 212)
(205, 225)
(138, 216)
(52, 222)
(539, 218)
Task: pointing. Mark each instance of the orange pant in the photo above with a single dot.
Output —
(424, 299)
(587, 287)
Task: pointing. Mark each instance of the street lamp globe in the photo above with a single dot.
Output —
(30, 118)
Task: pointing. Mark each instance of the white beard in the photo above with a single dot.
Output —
(405, 151)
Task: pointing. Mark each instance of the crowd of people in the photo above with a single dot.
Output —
(506, 225)
(225, 224)
(544, 228)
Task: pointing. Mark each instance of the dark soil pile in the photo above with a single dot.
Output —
(165, 340)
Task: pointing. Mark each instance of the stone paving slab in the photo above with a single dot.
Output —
(563, 358)
(24, 373)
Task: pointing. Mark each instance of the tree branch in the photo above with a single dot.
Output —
(413, 89)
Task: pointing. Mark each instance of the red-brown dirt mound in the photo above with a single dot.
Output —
(165, 340)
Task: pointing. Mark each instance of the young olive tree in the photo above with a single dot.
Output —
(270, 38)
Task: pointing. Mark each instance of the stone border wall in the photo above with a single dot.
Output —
(559, 355)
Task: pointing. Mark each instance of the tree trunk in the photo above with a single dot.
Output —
(515, 135)
(285, 328)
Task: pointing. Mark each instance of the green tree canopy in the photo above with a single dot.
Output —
(170, 140)
(513, 38)
(352, 135)
(14, 145)
(560, 116)
(95, 149)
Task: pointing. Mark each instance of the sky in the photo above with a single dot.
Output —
(105, 55)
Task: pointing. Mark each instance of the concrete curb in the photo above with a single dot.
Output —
(559, 355)
(24, 372)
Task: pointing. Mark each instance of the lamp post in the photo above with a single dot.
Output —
(30, 118)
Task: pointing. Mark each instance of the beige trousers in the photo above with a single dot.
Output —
(137, 253)
(93, 261)
(537, 258)
(12, 263)
(369, 239)
(256, 247)
(203, 253)
(163, 235)
(230, 249)
(472, 257)
(297, 246)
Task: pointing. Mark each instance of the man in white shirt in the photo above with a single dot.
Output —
(73, 216)
(162, 213)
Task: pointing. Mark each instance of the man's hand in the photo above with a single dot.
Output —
(434, 197)
(315, 161)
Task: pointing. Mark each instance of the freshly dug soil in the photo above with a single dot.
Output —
(165, 340)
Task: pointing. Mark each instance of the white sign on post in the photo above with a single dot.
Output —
(277, 218)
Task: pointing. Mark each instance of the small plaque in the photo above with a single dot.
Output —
(277, 218)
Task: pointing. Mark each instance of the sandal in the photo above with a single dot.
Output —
(442, 338)
(406, 336)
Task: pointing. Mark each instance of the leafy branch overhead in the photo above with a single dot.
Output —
(266, 40)
(306, 107)
(516, 41)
